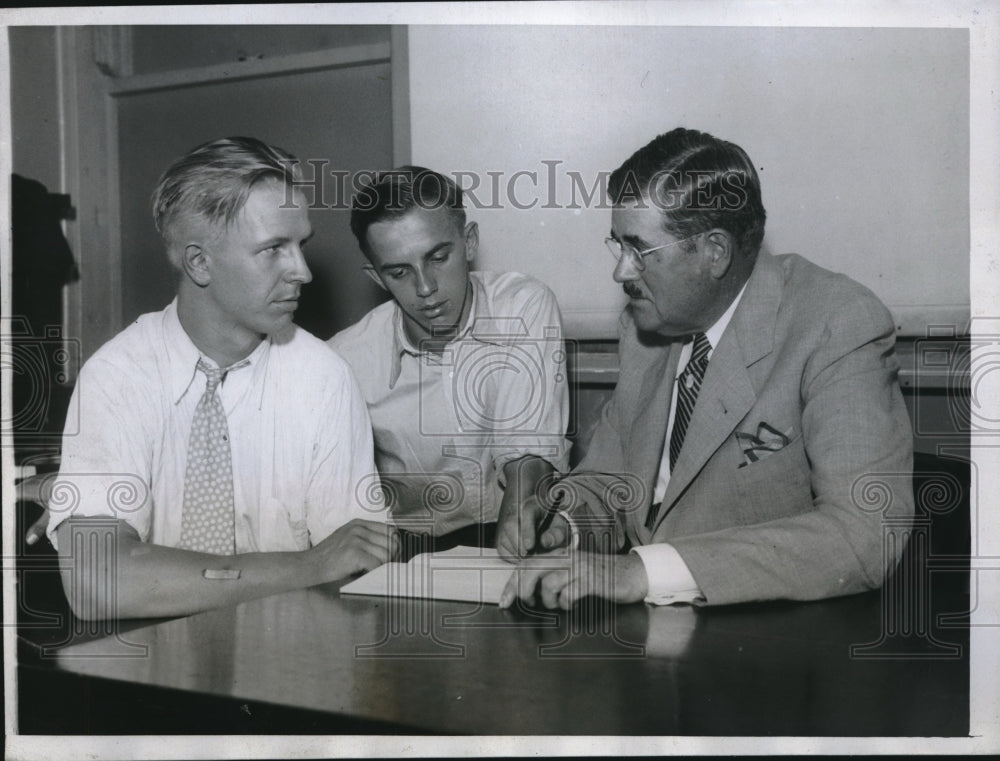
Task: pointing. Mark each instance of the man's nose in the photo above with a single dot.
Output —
(626, 270)
(298, 270)
(426, 283)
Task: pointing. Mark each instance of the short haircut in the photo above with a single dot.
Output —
(212, 182)
(394, 194)
(699, 182)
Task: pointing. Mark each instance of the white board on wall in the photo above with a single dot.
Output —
(860, 136)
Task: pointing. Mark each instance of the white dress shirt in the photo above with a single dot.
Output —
(670, 580)
(299, 431)
(446, 424)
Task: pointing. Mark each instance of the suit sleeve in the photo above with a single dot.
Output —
(858, 443)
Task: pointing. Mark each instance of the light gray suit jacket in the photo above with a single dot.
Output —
(809, 353)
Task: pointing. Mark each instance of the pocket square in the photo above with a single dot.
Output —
(767, 440)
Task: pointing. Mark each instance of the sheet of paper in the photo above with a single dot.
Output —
(467, 574)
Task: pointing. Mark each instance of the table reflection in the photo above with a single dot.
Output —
(781, 668)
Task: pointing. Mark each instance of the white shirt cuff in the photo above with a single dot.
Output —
(670, 580)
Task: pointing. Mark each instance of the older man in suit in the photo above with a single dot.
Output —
(756, 393)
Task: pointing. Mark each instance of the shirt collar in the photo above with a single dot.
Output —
(714, 333)
(183, 355)
(401, 343)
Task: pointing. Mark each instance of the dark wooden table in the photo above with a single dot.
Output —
(314, 662)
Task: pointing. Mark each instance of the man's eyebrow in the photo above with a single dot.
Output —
(436, 249)
(391, 266)
(278, 240)
(427, 254)
(631, 240)
(271, 242)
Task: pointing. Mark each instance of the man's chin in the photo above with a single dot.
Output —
(445, 325)
(278, 324)
(643, 315)
(647, 320)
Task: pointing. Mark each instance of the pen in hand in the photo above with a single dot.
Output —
(546, 523)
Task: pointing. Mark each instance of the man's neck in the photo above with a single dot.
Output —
(210, 335)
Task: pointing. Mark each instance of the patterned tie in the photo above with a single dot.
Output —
(209, 520)
(687, 395)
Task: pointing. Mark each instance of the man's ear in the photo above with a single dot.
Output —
(194, 263)
(471, 241)
(370, 271)
(720, 248)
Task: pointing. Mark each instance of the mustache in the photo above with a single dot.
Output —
(632, 290)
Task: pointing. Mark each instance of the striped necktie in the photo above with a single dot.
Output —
(687, 394)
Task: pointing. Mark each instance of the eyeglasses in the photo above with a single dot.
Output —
(619, 249)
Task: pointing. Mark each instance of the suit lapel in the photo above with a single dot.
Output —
(727, 392)
(649, 427)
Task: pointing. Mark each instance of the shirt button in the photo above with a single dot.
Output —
(451, 373)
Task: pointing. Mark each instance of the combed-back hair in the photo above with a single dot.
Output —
(213, 181)
(699, 182)
(395, 193)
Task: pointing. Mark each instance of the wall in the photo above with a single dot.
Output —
(340, 115)
(860, 137)
(34, 105)
(164, 48)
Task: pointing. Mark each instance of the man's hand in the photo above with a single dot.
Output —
(517, 529)
(521, 511)
(356, 546)
(37, 489)
(37, 529)
(152, 580)
(542, 580)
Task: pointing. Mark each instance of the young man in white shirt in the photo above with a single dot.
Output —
(463, 371)
(222, 452)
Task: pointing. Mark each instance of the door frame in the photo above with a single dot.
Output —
(94, 72)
